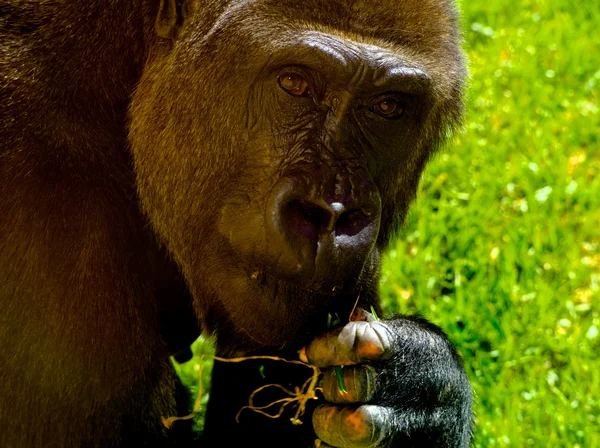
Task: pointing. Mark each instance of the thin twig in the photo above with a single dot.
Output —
(354, 307)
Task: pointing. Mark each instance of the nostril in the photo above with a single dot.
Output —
(352, 222)
(306, 219)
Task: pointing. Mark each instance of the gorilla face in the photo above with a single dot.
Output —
(276, 151)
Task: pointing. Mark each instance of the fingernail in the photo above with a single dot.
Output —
(302, 355)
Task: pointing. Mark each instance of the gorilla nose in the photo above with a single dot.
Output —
(323, 237)
(316, 220)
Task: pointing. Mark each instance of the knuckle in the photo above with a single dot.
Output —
(361, 384)
(377, 423)
(363, 426)
(374, 341)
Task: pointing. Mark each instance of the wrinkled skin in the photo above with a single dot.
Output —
(238, 166)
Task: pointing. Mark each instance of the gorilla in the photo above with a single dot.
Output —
(235, 167)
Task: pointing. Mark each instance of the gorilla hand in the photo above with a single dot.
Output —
(405, 386)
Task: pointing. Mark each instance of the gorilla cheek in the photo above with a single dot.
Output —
(266, 315)
(242, 228)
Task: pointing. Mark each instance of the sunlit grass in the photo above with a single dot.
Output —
(502, 248)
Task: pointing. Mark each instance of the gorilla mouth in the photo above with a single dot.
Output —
(322, 292)
(276, 312)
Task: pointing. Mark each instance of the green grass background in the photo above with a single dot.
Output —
(502, 248)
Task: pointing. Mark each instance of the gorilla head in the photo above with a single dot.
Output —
(278, 144)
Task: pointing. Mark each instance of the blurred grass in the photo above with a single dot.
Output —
(502, 248)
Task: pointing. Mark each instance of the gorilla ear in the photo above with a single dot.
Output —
(171, 16)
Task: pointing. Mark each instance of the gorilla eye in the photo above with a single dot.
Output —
(294, 84)
(388, 108)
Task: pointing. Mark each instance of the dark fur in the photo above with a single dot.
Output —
(123, 137)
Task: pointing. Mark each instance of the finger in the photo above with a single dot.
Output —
(353, 427)
(360, 382)
(354, 343)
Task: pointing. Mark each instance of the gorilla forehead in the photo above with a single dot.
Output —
(392, 20)
(330, 51)
(410, 33)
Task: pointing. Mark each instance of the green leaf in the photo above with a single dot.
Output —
(339, 374)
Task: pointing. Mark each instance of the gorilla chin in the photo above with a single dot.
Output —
(263, 311)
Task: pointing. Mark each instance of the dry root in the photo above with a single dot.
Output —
(298, 397)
